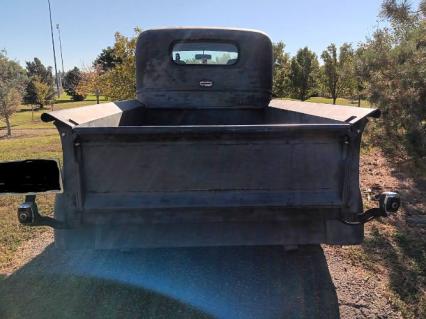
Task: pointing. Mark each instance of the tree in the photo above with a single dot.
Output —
(12, 83)
(400, 16)
(281, 70)
(90, 82)
(119, 83)
(36, 71)
(337, 70)
(41, 91)
(360, 74)
(330, 70)
(395, 60)
(71, 80)
(304, 70)
(222, 59)
(107, 59)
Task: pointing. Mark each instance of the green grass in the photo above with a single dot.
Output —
(64, 98)
(31, 138)
(46, 145)
(339, 101)
(26, 118)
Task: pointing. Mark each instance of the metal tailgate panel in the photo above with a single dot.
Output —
(286, 172)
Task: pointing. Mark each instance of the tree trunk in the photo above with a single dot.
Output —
(359, 100)
(303, 95)
(32, 112)
(334, 99)
(9, 131)
(97, 97)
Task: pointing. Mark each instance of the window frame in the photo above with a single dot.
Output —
(235, 43)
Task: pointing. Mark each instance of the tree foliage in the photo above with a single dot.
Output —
(90, 82)
(395, 75)
(37, 73)
(304, 70)
(119, 83)
(41, 91)
(388, 70)
(71, 81)
(12, 83)
(281, 70)
(359, 73)
(107, 60)
(338, 70)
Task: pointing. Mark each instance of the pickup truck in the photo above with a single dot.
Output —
(202, 156)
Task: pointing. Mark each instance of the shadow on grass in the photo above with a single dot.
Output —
(27, 108)
(89, 99)
(216, 282)
(4, 127)
(4, 136)
(60, 101)
(405, 258)
(24, 110)
(399, 243)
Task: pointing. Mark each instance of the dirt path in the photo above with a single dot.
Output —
(385, 277)
(361, 293)
(28, 132)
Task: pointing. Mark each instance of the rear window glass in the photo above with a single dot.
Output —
(209, 53)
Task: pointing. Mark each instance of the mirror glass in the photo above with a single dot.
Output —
(30, 176)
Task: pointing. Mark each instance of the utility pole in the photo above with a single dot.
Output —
(60, 47)
(54, 52)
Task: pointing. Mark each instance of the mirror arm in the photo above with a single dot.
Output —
(29, 215)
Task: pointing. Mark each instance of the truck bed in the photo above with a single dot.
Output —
(242, 176)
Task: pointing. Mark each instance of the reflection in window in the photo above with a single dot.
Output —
(210, 53)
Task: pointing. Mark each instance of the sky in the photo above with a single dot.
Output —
(88, 26)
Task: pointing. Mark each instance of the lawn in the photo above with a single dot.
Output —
(339, 101)
(24, 118)
(31, 138)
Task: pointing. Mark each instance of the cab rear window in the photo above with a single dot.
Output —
(207, 53)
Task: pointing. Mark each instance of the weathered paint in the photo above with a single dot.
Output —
(174, 171)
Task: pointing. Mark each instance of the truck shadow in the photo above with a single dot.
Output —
(216, 282)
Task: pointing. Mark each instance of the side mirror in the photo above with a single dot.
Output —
(389, 202)
(30, 177)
